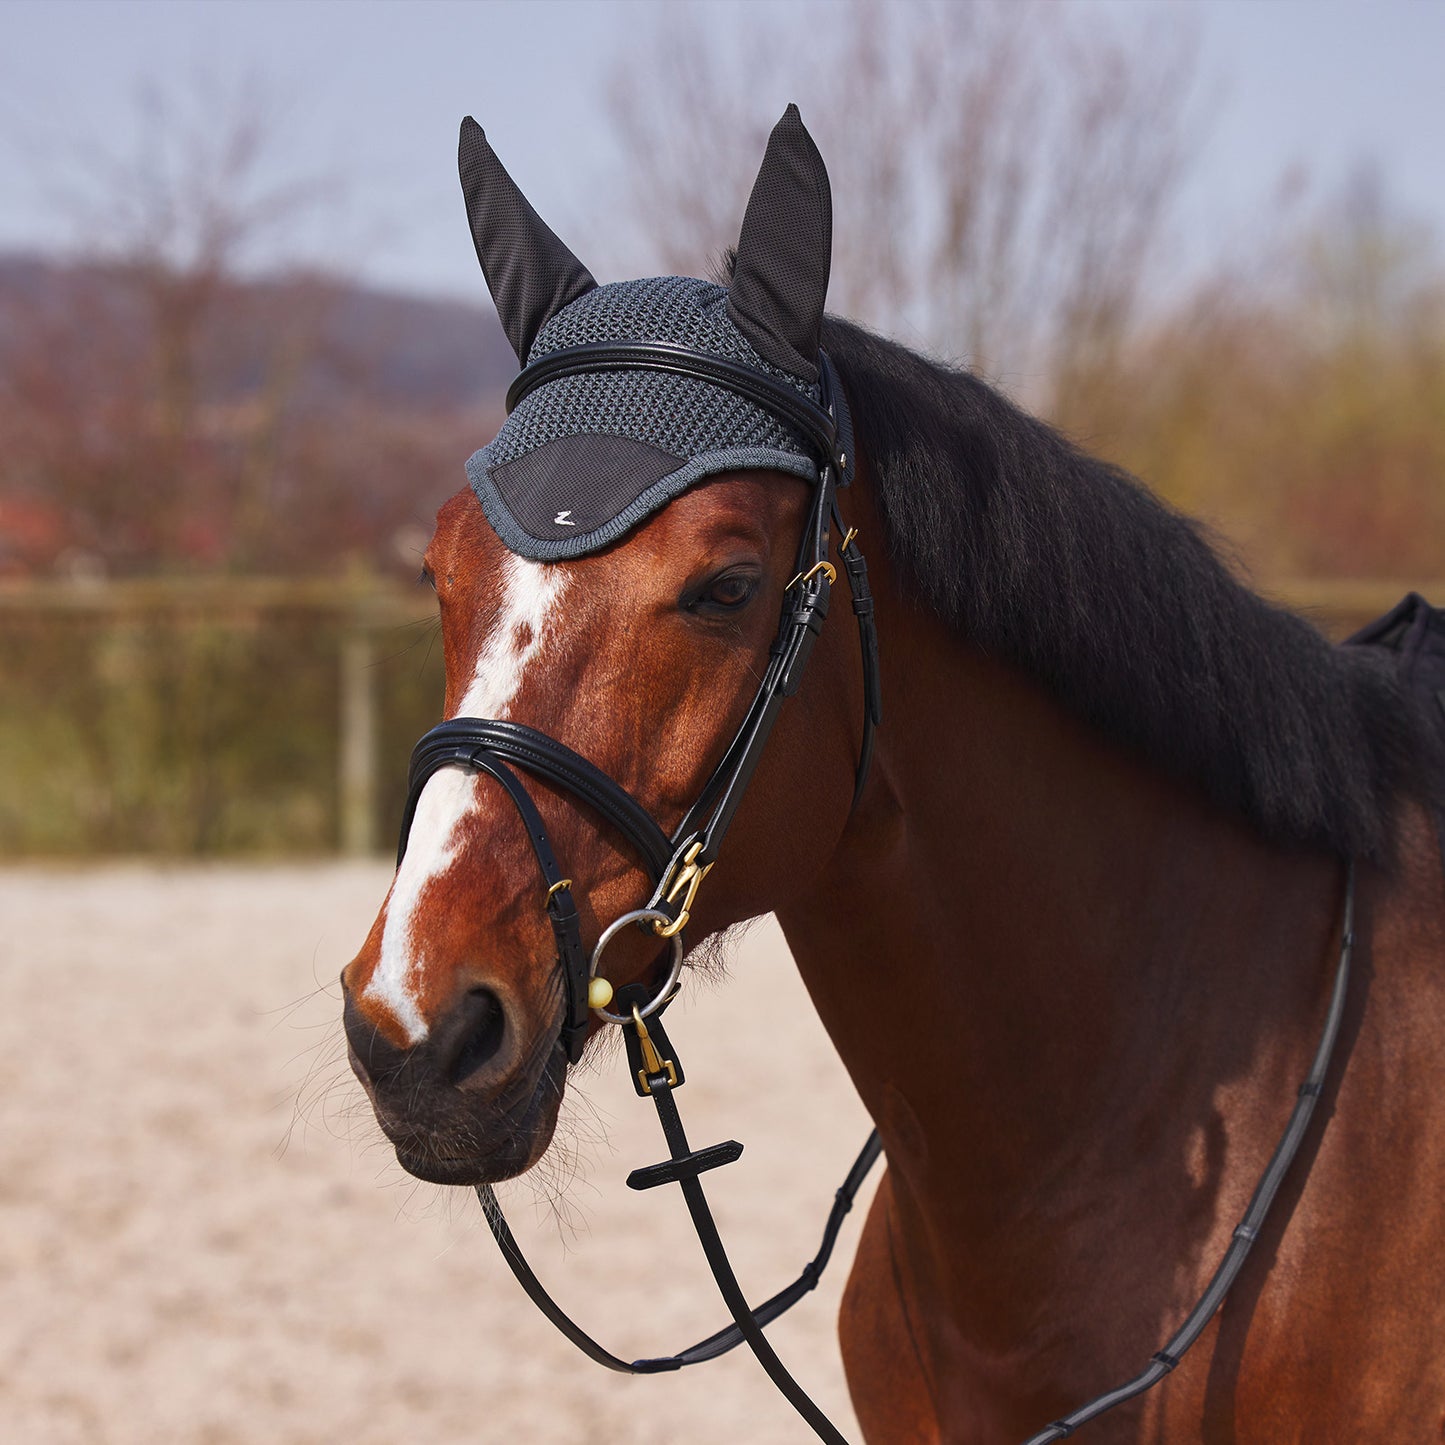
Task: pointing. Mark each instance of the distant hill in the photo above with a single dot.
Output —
(410, 350)
(155, 419)
(446, 352)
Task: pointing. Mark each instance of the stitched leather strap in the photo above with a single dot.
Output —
(856, 570)
(804, 611)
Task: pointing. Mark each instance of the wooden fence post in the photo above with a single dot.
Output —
(356, 755)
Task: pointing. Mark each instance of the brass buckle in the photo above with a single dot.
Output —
(812, 572)
(847, 537)
(684, 885)
(652, 1062)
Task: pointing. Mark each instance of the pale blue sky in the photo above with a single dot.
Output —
(375, 89)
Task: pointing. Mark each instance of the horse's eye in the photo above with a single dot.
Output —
(731, 591)
(727, 592)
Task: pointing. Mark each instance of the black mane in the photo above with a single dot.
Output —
(1069, 569)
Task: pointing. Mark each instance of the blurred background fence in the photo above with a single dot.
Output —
(226, 715)
(210, 715)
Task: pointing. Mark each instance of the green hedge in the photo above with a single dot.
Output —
(171, 733)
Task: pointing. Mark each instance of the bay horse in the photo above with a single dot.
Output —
(1075, 936)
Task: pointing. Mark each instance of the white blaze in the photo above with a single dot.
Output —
(530, 593)
(450, 794)
(530, 590)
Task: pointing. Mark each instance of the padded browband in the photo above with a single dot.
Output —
(817, 424)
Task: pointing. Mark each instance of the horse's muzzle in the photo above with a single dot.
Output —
(462, 1106)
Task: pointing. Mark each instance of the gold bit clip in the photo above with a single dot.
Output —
(685, 885)
(652, 1062)
(851, 533)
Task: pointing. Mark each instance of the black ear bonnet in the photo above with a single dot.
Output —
(583, 458)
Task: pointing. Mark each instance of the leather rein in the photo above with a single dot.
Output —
(678, 864)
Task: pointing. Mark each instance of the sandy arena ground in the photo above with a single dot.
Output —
(203, 1240)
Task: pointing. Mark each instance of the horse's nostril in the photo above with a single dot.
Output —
(479, 1028)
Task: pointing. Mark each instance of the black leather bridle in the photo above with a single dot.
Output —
(677, 865)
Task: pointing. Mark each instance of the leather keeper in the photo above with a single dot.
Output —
(674, 1171)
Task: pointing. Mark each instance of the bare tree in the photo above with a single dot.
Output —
(159, 374)
(1003, 172)
(1296, 398)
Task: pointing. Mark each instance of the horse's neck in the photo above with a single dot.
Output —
(1052, 972)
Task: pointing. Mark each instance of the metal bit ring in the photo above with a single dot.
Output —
(638, 915)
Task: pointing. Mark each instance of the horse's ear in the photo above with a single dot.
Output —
(784, 251)
(530, 273)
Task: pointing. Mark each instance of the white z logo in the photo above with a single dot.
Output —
(560, 520)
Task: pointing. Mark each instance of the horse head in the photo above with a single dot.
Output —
(610, 586)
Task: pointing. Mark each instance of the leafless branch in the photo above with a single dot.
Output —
(1003, 173)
